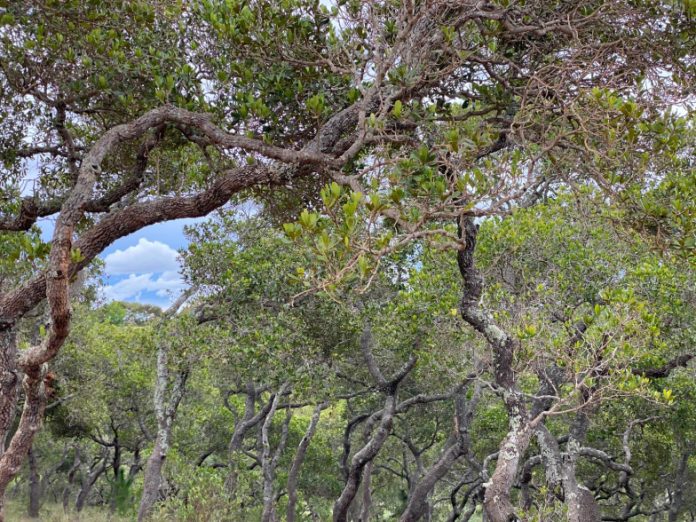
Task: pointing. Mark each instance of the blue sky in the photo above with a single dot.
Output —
(144, 266)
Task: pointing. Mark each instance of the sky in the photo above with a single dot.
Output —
(144, 266)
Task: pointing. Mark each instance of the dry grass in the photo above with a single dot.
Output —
(17, 512)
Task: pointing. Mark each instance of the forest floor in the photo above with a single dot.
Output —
(16, 511)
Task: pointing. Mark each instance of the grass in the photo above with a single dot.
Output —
(16, 511)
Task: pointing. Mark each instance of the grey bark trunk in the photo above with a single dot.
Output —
(297, 462)
(249, 420)
(678, 493)
(418, 506)
(165, 412)
(366, 454)
(497, 504)
(152, 481)
(372, 447)
(88, 483)
(581, 504)
(269, 460)
(72, 472)
(367, 493)
(34, 486)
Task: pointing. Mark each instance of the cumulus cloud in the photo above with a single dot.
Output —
(147, 257)
(165, 285)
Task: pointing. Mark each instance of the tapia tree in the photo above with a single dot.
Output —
(134, 113)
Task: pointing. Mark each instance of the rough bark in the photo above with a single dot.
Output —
(322, 149)
(9, 382)
(581, 504)
(29, 423)
(551, 458)
(34, 485)
(165, 412)
(497, 503)
(152, 480)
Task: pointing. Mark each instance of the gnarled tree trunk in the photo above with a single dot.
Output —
(417, 503)
(29, 423)
(497, 504)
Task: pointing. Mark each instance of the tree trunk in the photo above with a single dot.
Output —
(417, 506)
(8, 391)
(71, 479)
(367, 493)
(497, 502)
(552, 460)
(294, 474)
(29, 423)
(366, 454)
(88, 483)
(165, 411)
(152, 481)
(678, 493)
(241, 428)
(34, 486)
(581, 504)
(8, 382)
(269, 462)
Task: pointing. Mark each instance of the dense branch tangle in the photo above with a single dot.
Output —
(400, 93)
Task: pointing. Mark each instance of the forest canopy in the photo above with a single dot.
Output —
(443, 267)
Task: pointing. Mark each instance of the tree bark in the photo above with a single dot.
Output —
(88, 482)
(417, 503)
(72, 472)
(249, 420)
(29, 423)
(269, 461)
(366, 506)
(497, 503)
(366, 454)
(581, 504)
(677, 502)
(34, 486)
(298, 460)
(370, 450)
(165, 411)
(152, 481)
(9, 382)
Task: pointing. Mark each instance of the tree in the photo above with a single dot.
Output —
(421, 114)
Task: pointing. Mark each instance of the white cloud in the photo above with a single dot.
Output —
(147, 257)
(168, 284)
